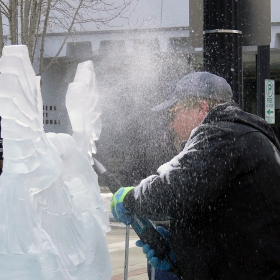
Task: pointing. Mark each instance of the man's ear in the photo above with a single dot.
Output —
(203, 108)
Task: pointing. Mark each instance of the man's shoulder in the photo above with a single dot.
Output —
(228, 128)
(208, 137)
(239, 135)
(215, 135)
(213, 129)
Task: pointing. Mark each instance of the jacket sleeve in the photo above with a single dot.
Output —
(191, 181)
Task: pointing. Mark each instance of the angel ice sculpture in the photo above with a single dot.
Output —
(52, 217)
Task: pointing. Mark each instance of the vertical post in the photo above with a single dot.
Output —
(222, 38)
(263, 72)
(126, 252)
(153, 273)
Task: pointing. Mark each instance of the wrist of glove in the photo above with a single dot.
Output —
(117, 208)
(162, 264)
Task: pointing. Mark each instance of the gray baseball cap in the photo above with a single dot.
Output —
(197, 84)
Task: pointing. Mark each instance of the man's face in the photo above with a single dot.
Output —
(182, 120)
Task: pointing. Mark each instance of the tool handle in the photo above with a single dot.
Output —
(111, 181)
(148, 234)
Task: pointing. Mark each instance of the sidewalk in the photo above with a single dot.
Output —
(137, 265)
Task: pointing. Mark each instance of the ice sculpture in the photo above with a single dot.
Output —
(52, 217)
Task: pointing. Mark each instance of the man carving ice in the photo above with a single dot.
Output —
(221, 192)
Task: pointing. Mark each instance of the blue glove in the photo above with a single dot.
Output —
(117, 207)
(151, 255)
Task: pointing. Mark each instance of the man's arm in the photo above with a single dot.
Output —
(201, 172)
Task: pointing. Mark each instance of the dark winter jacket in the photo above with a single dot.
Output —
(222, 194)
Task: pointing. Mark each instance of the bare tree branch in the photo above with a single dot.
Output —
(64, 41)
(33, 24)
(4, 9)
(1, 33)
(30, 21)
(25, 7)
(42, 49)
(40, 5)
(13, 20)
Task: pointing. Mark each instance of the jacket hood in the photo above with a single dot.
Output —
(231, 112)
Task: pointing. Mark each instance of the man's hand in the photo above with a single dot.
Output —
(117, 207)
(151, 255)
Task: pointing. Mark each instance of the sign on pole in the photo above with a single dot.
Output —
(270, 101)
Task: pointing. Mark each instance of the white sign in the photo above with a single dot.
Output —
(270, 101)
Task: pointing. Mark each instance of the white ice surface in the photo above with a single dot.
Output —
(52, 217)
(107, 197)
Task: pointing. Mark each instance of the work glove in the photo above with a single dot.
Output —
(117, 207)
(151, 254)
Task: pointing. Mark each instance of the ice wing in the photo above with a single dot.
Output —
(83, 109)
(84, 113)
(20, 88)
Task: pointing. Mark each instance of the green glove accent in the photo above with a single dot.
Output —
(117, 207)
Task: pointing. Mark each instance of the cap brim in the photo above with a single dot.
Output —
(165, 105)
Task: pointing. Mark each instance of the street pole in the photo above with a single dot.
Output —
(222, 42)
(263, 72)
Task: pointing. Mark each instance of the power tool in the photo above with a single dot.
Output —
(144, 228)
